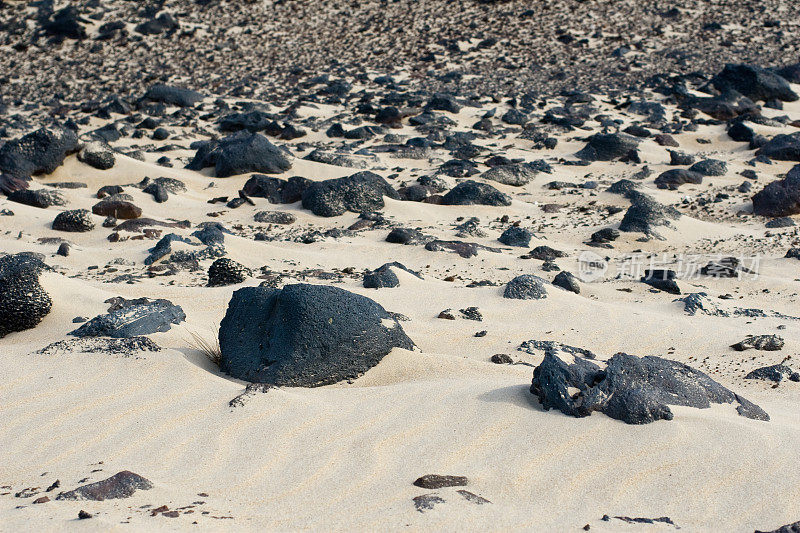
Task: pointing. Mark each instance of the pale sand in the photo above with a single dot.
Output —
(344, 457)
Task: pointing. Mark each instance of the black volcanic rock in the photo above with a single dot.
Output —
(362, 192)
(239, 154)
(121, 485)
(608, 147)
(781, 197)
(384, 276)
(632, 389)
(170, 95)
(75, 220)
(645, 214)
(754, 82)
(675, 177)
(471, 192)
(305, 335)
(525, 287)
(41, 198)
(39, 152)
(783, 147)
(132, 318)
(276, 190)
(226, 271)
(23, 301)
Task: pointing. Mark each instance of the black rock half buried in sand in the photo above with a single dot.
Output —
(305, 335)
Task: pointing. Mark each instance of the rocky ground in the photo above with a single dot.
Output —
(434, 265)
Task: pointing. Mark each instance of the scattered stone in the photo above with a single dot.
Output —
(516, 236)
(121, 485)
(768, 343)
(110, 207)
(23, 301)
(361, 192)
(426, 502)
(776, 373)
(132, 318)
(471, 192)
(567, 281)
(632, 389)
(526, 287)
(98, 155)
(780, 198)
(239, 154)
(608, 147)
(305, 335)
(436, 481)
(76, 220)
(226, 271)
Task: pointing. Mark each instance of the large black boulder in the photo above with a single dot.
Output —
(780, 198)
(783, 147)
(305, 335)
(23, 301)
(526, 287)
(754, 82)
(675, 177)
(360, 193)
(132, 318)
(74, 220)
(645, 214)
(385, 276)
(39, 152)
(632, 389)
(41, 198)
(66, 22)
(276, 190)
(515, 174)
(472, 192)
(608, 146)
(240, 154)
(170, 95)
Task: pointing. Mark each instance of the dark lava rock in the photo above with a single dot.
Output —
(622, 186)
(768, 343)
(41, 198)
(66, 23)
(678, 158)
(645, 214)
(121, 485)
(674, 178)
(336, 159)
(516, 236)
(516, 174)
(226, 271)
(501, 359)
(239, 154)
(305, 335)
(632, 389)
(663, 280)
(710, 167)
(776, 373)
(608, 146)
(546, 253)
(110, 207)
(740, 132)
(526, 287)
(436, 481)
(384, 276)
(76, 220)
(406, 236)
(463, 249)
(158, 191)
(471, 192)
(276, 190)
(792, 253)
(23, 301)
(782, 147)
(83, 515)
(781, 197)
(605, 236)
(176, 96)
(40, 152)
(361, 192)
(755, 83)
(132, 318)
(97, 155)
(274, 217)
(567, 281)
(789, 528)
(426, 502)
(727, 106)
(782, 222)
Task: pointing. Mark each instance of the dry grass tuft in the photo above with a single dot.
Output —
(209, 348)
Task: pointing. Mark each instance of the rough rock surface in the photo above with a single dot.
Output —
(23, 301)
(133, 318)
(121, 485)
(74, 220)
(239, 154)
(359, 193)
(526, 287)
(305, 335)
(632, 389)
